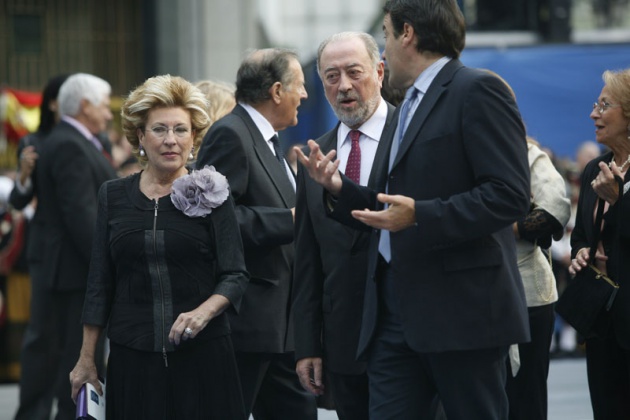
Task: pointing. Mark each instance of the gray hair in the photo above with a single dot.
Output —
(78, 87)
(368, 40)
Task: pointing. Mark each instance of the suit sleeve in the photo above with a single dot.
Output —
(351, 197)
(223, 147)
(308, 279)
(100, 290)
(72, 174)
(579, 238)
(495, 150)
(231, 272)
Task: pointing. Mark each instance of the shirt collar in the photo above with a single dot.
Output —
(80, 127)
(372, 128)
(263, 125)
(425, 78)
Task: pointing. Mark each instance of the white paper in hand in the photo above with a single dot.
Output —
(90, 405)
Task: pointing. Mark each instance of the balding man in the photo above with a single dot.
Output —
(244, 147)
(331, 259)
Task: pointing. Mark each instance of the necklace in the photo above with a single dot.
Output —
(622, 167)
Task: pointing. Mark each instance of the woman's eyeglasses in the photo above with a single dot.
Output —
(161, 131)
(601, 107)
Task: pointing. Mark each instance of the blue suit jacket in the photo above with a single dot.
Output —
(463, 160)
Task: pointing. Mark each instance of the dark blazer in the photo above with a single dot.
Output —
(618, 263)
(330, 270)
(69, 173)
(464, 161)
(263, 196)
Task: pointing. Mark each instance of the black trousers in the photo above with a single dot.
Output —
(404, 383)
(608, 369)
(271, 388)
(351, 395)
(527, 392)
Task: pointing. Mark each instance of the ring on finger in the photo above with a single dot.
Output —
(188, 331)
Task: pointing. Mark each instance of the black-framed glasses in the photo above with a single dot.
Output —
(601, 107)
(161, 131)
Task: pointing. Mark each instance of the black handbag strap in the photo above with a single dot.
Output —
(598, 222)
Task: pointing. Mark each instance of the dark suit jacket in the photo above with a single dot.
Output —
(263, 196)
(20, 199)
(69, 172)
(330, 270)
(618, 263)
(464, 161)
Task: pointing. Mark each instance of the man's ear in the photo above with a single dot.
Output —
(380, 71)
(408, 34)
(275, 91)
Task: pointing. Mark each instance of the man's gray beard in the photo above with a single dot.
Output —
(360, 115)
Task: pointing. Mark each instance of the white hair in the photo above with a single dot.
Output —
(81, 86)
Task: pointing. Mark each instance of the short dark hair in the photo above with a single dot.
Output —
(438, 24)
(47, 118)
(259, 71)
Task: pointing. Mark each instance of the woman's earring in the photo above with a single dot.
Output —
(191, 156)
(142, 153)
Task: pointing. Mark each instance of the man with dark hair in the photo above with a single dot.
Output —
(244, 147)
(331, 259)
(443, 299)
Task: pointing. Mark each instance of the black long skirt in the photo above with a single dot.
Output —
(200, 382)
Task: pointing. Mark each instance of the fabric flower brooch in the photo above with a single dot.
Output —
(197, 193)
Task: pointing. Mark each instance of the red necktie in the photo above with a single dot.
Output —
(353, 166)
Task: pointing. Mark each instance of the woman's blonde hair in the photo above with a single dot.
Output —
(163, 92)
(221, 98)
(619, 83)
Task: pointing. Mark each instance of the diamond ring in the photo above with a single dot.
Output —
(188, 331)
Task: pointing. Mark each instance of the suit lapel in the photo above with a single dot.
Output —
(381, 160)
(277, 174)
(436, 89)
(384, 147)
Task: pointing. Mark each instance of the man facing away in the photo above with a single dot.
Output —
(70, 170)
(244, 147)
(330, 258)
(444, 299)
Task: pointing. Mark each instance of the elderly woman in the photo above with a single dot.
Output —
(167, 263)
(608, 353)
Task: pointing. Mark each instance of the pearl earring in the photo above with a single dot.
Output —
(142, 153)
(191, 156)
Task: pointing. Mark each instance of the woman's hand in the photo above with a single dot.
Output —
(84, 371)
(605, 185)
(582, 259)
(28, 157)
(189, 324)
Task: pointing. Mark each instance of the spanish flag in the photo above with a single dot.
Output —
(19, 112)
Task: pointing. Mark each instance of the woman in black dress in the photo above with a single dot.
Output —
(608, 350)
(167, 263)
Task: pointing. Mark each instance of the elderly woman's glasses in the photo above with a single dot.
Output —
(161, 131)
(601, 107)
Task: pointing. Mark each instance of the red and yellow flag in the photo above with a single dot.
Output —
(19, 112)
